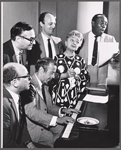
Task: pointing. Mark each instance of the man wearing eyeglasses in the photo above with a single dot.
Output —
(22, 39)
(47, 45)
(15, 133)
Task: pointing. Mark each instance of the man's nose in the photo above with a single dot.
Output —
(34, 42)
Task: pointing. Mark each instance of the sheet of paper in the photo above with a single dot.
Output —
(95, 98)
(106, 51)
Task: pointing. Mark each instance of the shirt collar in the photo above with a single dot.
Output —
(14, 96)
(17, 51)
(40, 83)
(45, 37)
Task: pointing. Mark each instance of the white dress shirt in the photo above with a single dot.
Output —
(45, 39)
(54, 118)
(17, 51)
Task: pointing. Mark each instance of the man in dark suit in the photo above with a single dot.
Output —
(45, 120)
(22, 39)
(47, 23)
(15, 133)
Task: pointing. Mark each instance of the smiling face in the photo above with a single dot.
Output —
(49, 24)
(100, 25)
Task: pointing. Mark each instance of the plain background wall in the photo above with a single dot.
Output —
(114, 19)
(14, 12)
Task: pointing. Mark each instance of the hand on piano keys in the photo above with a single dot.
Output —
(65, 120)
(70, 111)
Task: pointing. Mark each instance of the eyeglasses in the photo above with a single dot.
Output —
(31, 39)
(27, 76)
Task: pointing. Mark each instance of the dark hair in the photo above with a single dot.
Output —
(42, 16)
(95, 17)
(44, 63)
(9, 74)
(18, 28)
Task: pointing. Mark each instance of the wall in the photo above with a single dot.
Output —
(70, 15)
(19, 11)
(114, 18)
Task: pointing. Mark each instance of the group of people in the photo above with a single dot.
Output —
(35, 109)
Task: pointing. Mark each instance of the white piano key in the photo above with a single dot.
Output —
(70, 125)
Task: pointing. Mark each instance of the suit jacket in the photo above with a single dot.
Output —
(9, 53)
(98, 75)
(15, 133)
(38, 50)
(39, 113)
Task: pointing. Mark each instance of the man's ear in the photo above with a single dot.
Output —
(41, 24)
(41, 70)
(93, 23)
(66, 43)
(18, 38)
(14, 83)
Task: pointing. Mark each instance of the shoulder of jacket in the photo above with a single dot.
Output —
(56, 39)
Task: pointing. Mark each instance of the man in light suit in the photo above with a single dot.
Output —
(45, 121)
(22, 40)
(47, 23)
(15, 133)
(97, 74)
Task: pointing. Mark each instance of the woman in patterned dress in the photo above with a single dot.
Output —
(74, 76)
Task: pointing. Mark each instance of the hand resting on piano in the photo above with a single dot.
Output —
(70, 111)
(65, 120)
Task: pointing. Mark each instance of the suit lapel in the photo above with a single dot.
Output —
(47, 95)
(8, 95)
(40, 40)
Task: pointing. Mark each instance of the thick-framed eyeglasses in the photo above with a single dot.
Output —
(31, 39)
(27, 76)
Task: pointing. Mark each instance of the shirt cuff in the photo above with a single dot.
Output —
(59, 112)
(53, 121)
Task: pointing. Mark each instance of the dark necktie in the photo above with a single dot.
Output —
(20, 57)
(43, 93)
(49, 48)
(20, 110)
(94, 55)
(21, 123)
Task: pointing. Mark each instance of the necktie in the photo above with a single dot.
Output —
(20, 109)
(21, 123)
(49, 48)
(43, 93)
(20, 57)
(95, 48)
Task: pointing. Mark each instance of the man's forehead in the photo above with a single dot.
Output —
(102, 18)
(51, 67)
(29, 33)
(50, 18)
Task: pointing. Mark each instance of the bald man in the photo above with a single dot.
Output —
(15, 133)
(47, 23)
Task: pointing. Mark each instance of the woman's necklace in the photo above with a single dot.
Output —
(69, 55)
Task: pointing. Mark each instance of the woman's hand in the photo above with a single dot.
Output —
(71, 72)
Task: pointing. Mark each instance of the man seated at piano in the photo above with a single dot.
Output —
(45, 121)
(73, 74)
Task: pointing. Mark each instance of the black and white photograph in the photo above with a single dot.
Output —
(60, 74)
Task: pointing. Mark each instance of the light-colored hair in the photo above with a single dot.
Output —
(75, 33)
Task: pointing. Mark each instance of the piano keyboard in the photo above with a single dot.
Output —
(70, 125)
